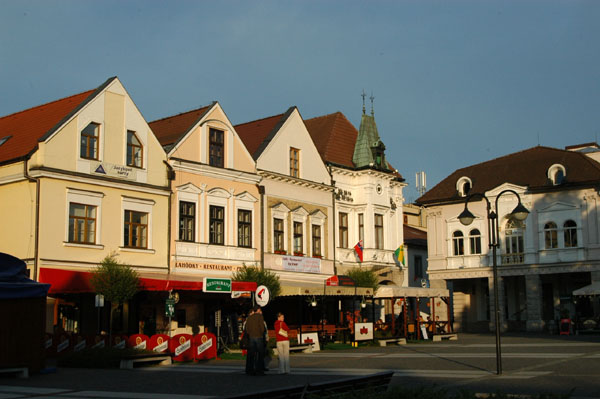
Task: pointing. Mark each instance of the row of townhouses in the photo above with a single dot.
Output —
(187, 197)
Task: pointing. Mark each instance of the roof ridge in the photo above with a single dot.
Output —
(510, 155)
(328, 115)
(260, 119)
(46, 104)
(183, 113)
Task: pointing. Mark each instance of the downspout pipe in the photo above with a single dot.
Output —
(36, 250)
(170, 178)
(333, 218)
(261, 191)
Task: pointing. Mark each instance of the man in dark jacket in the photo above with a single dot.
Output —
(255, 328)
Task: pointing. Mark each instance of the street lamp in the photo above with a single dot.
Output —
(466, 218)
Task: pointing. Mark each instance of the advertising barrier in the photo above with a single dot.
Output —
(138, 341)
(119, 341)
(205, 346)
(181, 348)
(159, 343)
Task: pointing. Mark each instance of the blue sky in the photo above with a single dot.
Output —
(455, 82)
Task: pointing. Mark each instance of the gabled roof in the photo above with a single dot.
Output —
(335, 138)
(528, 168)
(256, 135)
(36, 124)
(414, 236)
(170, 130)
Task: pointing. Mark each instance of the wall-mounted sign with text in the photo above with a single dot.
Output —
(112, 170)
(301, 264)
(210, 284)
(189, 266)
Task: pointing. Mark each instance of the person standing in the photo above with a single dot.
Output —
(283, 344)
(255, 327)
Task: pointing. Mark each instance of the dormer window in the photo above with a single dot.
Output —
(4, 139)
(216, 148)
(90, 139)
(463, 186)
(135, 150)
(557, 174)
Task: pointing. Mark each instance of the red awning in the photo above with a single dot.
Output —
(73, 282)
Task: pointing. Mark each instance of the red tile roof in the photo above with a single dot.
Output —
(528, 168)
(257, 134)
(335, 137)
(171, 129)
(28, 127)
(414, 236)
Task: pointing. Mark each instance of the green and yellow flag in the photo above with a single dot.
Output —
(399, 254)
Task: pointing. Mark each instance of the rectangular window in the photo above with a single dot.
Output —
(90, 138)
(418, 267)
(298, 238)
(136, 230)
(187, 221)
(361, 227)
(135, 151)
(294, 162)
(316, 240)
(82, 223)
(278, 235)
(343, 230)
(378, 231)
(216, 148)
(244, 228)
(217, 225)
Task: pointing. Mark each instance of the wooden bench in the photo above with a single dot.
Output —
(362, 385)
(440, 337)
(129, 362)
(399, 341)
(20, 372)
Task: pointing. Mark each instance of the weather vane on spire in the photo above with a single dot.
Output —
(372, 98)
(363, 95)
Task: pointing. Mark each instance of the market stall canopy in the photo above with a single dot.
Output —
(14, 282)
(390, 291)
(306, 288)
(71, 281)
(592, 289)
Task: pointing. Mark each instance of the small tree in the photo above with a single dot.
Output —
(260, 277)
(117, 282)
(364, 278)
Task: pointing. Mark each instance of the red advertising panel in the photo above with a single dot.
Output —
(79, 342)
(181, 346)
(119, 341)
(138, 341)
(62, 343)
(159, 343)
(205, 346)
(97, 341)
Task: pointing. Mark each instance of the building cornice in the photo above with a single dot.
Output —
(513, 270)
(184, 165)
(294, 180)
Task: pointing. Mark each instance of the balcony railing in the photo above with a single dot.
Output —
(513, 259)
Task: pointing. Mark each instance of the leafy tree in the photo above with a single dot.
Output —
(116, 281)
(364, 278)
(260, 277)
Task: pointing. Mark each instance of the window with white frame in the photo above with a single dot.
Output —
(298, 238)
(280, 220)
(84, 215)
(216, 225)
(137, 223)
(361, 227)
(463, 186)
(90, 141)
(551, 235)
(316, 240)
(458, 243)
(570, 234)
(278, 234)
(294, 162)
(343, 229)
(216, 148)
(475, 242)
(378, 231)
(244, 228)
(557, 174)
(514, 245)
(187, 221)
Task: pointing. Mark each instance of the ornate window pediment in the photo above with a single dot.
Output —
(189, 188)
(246, 196)
(219, 192)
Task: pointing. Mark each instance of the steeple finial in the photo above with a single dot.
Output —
(363, 95)
(372, 98)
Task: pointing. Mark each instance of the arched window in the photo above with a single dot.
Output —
(551, 235)
(557, 174)
(458, 243)
(570, 230)
(475, 241)
(463, 186)
(513, 234)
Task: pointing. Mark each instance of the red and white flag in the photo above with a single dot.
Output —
(359, 250)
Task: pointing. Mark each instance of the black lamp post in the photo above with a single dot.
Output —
(466, 218)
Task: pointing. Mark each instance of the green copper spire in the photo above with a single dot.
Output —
(369, 150)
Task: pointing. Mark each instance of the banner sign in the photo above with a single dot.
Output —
(112, 170)
(301, 264)
(363, 331)
(210, 284)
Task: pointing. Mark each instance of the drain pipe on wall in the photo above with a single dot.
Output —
(261, 191)
(170, 178)
(36, 250)
(333, 219)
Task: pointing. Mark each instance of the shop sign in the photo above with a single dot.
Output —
(262, 295)
(301, 264)
(170, 307)
(112, 170)
(363, 331)
(207, 267)
(183, 347)
(210, 284)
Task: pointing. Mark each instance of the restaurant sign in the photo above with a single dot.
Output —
(301, 264)
(210, 284)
